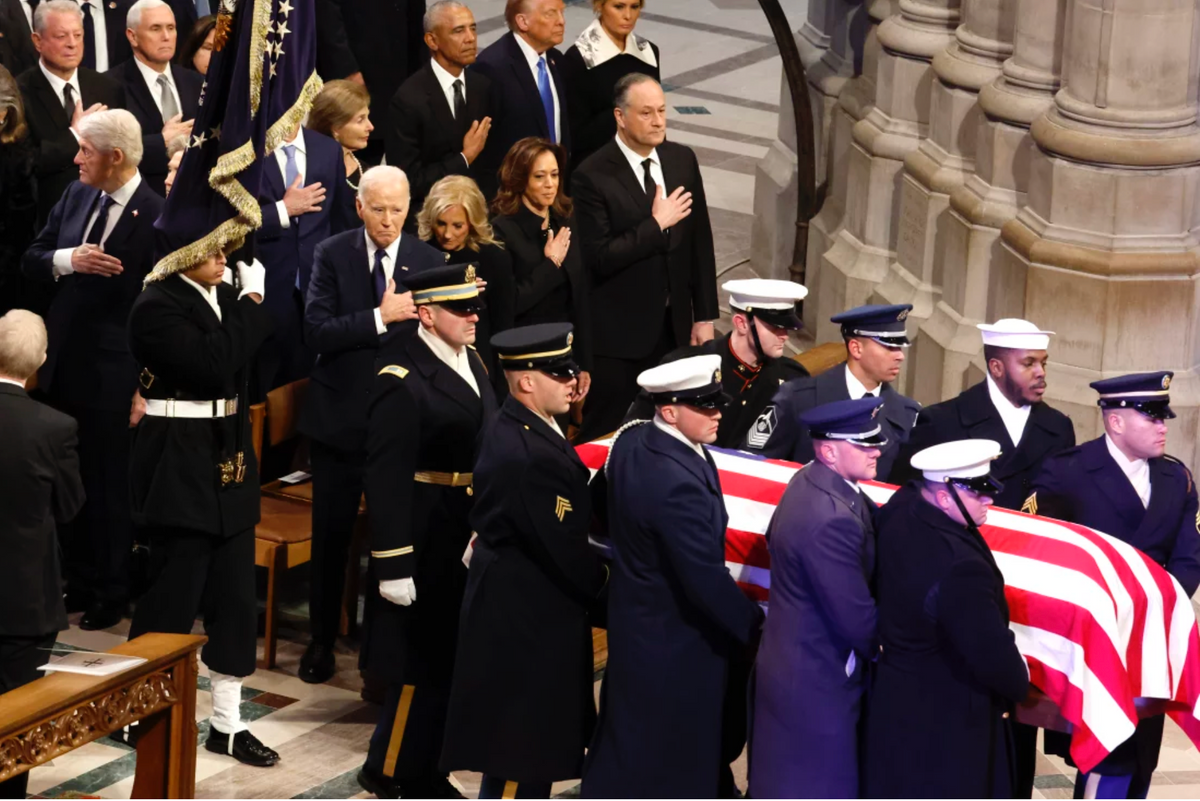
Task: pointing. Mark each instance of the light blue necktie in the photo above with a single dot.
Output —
(202, 8)
(291, 171)
(547, 96)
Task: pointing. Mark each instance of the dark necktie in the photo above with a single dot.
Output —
(379, 276)
(868, 395)
(97, 233)
(460, 101)
(648, 179)
(69, 102)
(89, 37)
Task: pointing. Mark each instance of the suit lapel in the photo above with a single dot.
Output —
(51, 103)
(1160, 497)
(626, 178)
(520, 68)
(138, 93)
(519, 412)
(831, 386)
(441, 105)
(86, 203)
(981, 420)
(445, 380)
(1115, 485)
(187, 98)
(128, 220)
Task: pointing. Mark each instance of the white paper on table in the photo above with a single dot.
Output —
(298, 477)
(92, 664)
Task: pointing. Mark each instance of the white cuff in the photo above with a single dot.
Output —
(380, 328)
(465, 161)
(62, 262)
(284, 220)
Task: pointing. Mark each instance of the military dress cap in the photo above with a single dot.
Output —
(1013, 333)
(884, 324)
(851, 421)
(452, 286)
(694, 381)
(1148, 393)
(772, 301)
(545, 347)
(965, 462)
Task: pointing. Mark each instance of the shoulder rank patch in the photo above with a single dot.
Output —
(561, 507)
(394, 369)
(762, 429)
(1030, 505)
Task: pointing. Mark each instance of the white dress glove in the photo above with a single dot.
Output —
(253, 278)
(399, 591)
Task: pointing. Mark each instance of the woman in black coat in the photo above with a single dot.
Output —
(534, 221)
(18, 201)
(454, 220)
(605, 52)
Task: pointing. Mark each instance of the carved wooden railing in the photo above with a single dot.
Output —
(63, 711)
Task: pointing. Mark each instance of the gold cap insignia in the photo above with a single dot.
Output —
(469, 277)
(570, 338)
(717, 377)
(1166, 382)
(903, 315)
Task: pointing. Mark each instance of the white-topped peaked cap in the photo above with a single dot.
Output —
(1013, 333)
(749, 294)
(692, 373)
(964, 458)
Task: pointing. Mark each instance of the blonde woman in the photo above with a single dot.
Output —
(454, 220)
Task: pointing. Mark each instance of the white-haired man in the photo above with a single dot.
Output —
(59, 94)
(164, 97)
(357, 299)
(97, 246)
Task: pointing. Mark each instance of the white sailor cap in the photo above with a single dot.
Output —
(694, 381)
(772, 300)
(965, 461)
(1013, 333)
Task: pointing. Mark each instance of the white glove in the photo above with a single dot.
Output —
(466, 557)
(253, 278)
(399, 591)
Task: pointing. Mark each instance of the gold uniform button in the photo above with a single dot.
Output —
(1005, 716)
(470, 491)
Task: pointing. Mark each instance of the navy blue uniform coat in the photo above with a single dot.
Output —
(809, 695)
(675, 617)
(938, 723)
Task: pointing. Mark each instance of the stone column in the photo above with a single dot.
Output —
(1107, 240)
(861, 252)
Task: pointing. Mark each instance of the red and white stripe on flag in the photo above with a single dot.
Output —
(1098, 622)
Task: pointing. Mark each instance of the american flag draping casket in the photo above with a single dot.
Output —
(1098, 622)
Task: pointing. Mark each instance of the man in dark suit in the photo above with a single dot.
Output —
(16, 42)
(1125, 485)
(356, 301)
(98, 246)
(528, 94)
(163, 96)
(438, 121)
(39, 473)
(648, 246)
(104, 26)
(301, 200)
(875, 342)
(820, 637)
(58, 94)
(188, 11)
(376, 44)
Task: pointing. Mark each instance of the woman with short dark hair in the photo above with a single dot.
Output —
(18, 200)
(198, 47)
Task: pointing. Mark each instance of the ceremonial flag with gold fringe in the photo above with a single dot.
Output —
(260, 84)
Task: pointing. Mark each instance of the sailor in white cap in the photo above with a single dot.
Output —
(943, 627)
(675, 615)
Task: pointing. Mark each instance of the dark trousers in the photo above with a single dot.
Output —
(614, 385)
(283, 357)
(1025, 758)
(337, 492)
(407, 743)
(196, 574)
(20, 658)
(495, 787)
(1128, 770)
(734, 721)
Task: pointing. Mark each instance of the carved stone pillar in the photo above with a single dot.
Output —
(1107, 240)
(860, 254)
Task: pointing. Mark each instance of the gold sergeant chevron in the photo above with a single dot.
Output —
(561, 507)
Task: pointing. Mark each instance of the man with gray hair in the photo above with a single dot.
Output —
(60, 94)
(164, 97)
(357, 301)
(39, 489)
(97, 247)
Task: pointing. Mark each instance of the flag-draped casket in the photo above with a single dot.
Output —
(1099, 623)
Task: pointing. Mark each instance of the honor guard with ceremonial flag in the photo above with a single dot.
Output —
(675, 615)
(875, 340)
(429, 404)
(820, 636)
(521, 706)
(1124, 484)
(949, 673)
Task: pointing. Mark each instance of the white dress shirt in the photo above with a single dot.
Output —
(550, 421)
(101, 28)
(209, 293)
(151, 79)
(459, 361)
(635, 163)
(285, 221)
(57, 84)
(1014, 417)
(663, 425)
(446, 81)
(17, 383)
(856, 388)
(533, 58)
(61, 261)
(389, 269)
(1136, 470)
(28, 9)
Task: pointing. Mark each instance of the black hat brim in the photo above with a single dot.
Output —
(464, 306)
(1154, 409)
(565, 368)
(986, 484)
(715, 400)
(780, 318)
(899, 341)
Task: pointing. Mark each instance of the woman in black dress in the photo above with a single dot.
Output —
(533, 219)
(18, 201)
(342, 111)
(454, 220)
(605, 52)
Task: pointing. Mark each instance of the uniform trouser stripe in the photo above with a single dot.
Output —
(510, 790)
(401, 721)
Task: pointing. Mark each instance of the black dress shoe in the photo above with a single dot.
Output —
(317, 665)
(243, 746)
(440, 787)
(103, 615)
(377, 784)
(78, 601)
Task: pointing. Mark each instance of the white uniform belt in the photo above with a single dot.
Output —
(206, 409)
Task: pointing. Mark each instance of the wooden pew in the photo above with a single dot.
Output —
(63, 711)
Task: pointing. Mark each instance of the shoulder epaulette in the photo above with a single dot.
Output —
(482, 363)
(1186, 471)
(394, 369)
